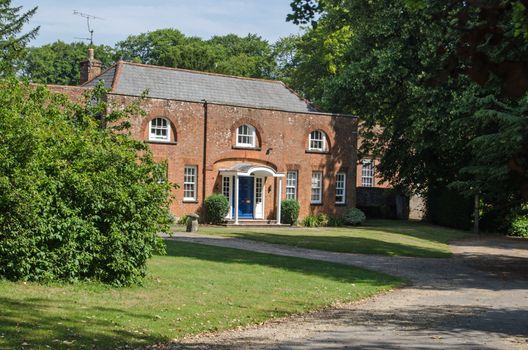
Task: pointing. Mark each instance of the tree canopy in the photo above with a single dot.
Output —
(12, 42)
(77, 201)
(249, 56)
(58, 62)
(440, 87)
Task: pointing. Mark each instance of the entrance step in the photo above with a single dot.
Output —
(255, 223)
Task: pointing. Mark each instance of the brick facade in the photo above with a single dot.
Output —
(282, 145)
(203, 135)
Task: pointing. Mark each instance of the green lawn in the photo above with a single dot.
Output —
(193, 289)
(385, 237)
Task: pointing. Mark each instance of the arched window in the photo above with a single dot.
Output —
(317, 141)
(246, 136)
(159, 130)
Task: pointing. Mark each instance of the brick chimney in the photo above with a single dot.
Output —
(90, 68)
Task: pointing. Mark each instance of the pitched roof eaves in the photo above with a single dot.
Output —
(240, 105)
(310, 104)
(152, 66)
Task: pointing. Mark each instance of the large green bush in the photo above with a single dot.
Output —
(290, 211)
(77, 200)
(354, 216)
(216, 208)
(519, 227)
(518, 221)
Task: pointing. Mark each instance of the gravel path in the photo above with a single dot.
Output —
(477, 299)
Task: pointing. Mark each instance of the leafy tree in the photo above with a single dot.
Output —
(12, 21)
(195, 55)
(249, 56)
(77, 201)
(284, 52)
(439, 86)
(149, 47)
(58, 63)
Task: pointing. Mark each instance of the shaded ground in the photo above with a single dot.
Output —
(477, 299)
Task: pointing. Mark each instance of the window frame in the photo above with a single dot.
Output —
(227, 191)
(342, 187)
(193, 183)
(289, 186)
(319, 189)
(153, 136)
(322, 140)
(252, 135)
(367, 174)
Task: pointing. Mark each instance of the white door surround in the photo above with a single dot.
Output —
(260, 173)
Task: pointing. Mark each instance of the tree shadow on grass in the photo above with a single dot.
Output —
(28, 324)
(327, 270)
(342, 244)
(419, 230)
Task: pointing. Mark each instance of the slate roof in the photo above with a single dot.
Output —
(178, 84)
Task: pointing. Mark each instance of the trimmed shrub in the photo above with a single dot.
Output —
(216, 208)
(290, 211)
(519, 222)
(354, 216)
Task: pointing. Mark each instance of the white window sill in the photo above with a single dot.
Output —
(190, 200)
(165, 142)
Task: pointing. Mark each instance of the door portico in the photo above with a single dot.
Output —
(243, 185)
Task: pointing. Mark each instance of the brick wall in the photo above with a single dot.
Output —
(283, 140)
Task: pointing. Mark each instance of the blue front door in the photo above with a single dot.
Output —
(245, 197)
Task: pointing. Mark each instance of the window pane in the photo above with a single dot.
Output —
(189, 183)
(367, 173)
(340, 188)
(317, 141)
(226, 188)
(317, 177)
(246, 136)
(159, 130)
(291, 185)
(258, 190)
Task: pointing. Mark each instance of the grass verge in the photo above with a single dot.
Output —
(383, 237)
(193, 289)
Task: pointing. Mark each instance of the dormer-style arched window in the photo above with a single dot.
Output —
(159, 130)
(317, 141)
(246, 136)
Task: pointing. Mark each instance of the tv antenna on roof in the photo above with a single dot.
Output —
(88, 18)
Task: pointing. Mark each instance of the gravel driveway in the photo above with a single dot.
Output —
(478, 299)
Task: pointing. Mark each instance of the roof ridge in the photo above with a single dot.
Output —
(153, 66)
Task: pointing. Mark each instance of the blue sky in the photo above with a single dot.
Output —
(203, 18)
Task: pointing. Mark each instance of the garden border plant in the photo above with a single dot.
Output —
(79, 198)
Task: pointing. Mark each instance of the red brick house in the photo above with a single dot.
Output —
(253, 140)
